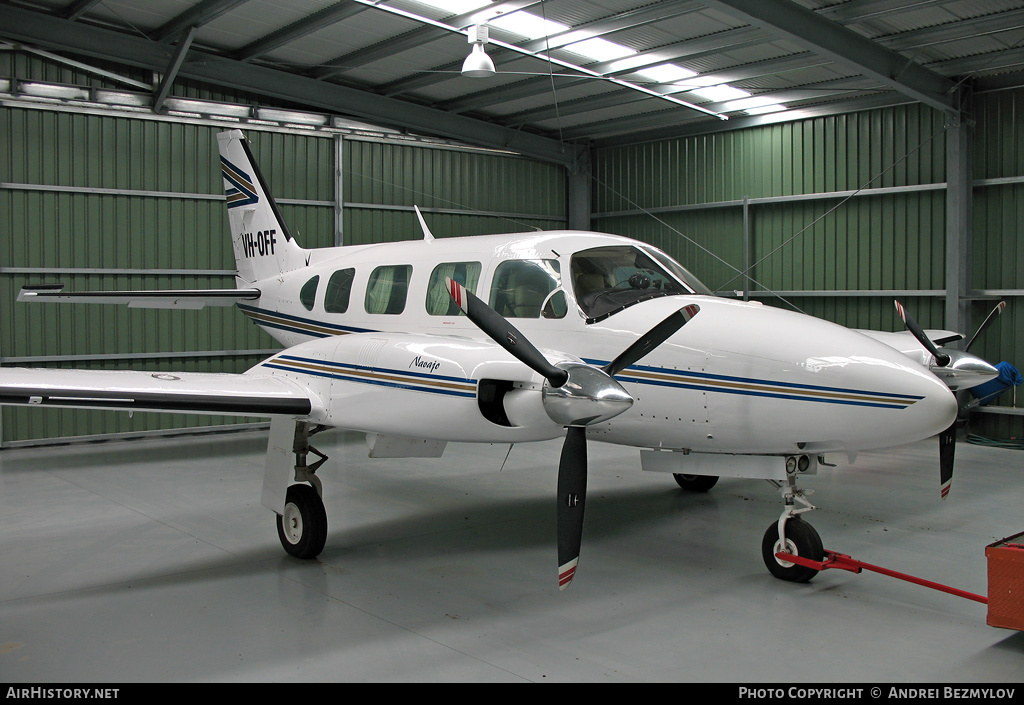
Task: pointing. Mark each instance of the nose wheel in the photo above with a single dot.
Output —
(800, 540)
(792, 535)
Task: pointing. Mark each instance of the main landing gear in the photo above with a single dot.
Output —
(302, 525)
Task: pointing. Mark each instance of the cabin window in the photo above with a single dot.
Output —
(307, 294)
(339, 288)
(439, 300)
(528, 289)
(387, 289)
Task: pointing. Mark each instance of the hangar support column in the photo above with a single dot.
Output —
(959, 221)
(578, 177)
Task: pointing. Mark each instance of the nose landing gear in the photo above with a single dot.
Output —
(791, 534)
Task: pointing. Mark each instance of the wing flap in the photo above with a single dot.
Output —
(183, 392)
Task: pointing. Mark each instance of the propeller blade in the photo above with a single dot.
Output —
(986, 323)
(947, 448)
(572, 492)
(941, 359)
(652, 339)
(504, 333)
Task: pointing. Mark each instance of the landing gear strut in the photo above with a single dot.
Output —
(791, 534)
(302, 525)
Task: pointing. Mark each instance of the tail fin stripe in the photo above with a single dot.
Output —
(244, 192)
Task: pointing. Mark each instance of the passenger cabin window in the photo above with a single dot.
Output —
(439, 301)
(307, 294)
(528, 289)
(339, 289)
(387, 289)
(609, 279)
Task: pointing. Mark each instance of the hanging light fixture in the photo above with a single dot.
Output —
(478, 64)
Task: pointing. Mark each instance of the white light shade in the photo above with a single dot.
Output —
(478, 64)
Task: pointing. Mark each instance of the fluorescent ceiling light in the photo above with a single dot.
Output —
(526, 25)
(666, 73)
(720, 93)
(598, 49)
(455, 7)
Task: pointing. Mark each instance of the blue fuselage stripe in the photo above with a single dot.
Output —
(747, 386)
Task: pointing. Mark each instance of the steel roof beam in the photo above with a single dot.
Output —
(954, 31)
(845, 47)
(311, 23)
(664, 125)
(409, 40)
(859, 10)
(76, 9)
(769, 67)
(196, 16)
(184, 43)
(22, 25)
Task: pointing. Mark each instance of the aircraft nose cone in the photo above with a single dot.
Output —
(938, 408)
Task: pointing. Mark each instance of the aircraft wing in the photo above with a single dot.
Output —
(158, 298)
(183, 392)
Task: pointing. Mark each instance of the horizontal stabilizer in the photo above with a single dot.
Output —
(183, 392)
(157, 298)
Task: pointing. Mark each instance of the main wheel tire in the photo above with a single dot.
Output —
(801, 540)
(695, 483)
(302, 527)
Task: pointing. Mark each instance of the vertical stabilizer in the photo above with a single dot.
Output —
(263, 245)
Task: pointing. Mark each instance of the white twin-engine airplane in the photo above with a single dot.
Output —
(411, 343)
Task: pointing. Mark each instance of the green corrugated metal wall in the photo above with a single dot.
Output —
(513, 195)
(998, 256)
(862, 245)
(140, 202)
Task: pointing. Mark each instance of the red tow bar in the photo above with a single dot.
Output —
(844, 562)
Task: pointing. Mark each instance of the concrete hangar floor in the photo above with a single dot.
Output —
(152, 561)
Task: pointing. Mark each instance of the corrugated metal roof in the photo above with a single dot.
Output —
(770, 57)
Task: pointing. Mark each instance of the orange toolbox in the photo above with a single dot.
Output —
(1006, 582)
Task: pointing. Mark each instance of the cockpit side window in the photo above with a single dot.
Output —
(528, 289)
(608, 279)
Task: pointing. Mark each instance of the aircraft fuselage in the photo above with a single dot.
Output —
(740, 378)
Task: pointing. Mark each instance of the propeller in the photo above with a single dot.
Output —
(575, 395)
(989, 320)
(941, 359)
(960, 370)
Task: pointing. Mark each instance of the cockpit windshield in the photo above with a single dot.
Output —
(608, 279)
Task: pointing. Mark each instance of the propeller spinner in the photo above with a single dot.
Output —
(575, 395)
